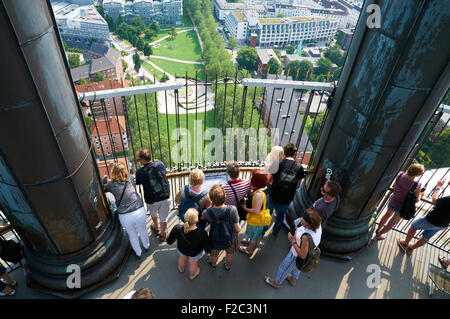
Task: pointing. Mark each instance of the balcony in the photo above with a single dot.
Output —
(402, 276)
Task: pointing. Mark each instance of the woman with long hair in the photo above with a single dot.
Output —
(191, 242)
(310, 224)
(130, 207)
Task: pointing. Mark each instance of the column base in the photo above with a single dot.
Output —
(99, 264)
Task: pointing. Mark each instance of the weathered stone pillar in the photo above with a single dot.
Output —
(392, 82)
(50, 189)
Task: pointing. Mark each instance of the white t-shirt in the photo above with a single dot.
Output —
(300, 231)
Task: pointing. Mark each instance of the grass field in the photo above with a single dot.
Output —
(179, 69)
(184, 47)
(187, 22)
(152, 70)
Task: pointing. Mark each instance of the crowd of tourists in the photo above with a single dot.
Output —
(210, 220)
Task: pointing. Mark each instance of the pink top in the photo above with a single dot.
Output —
(401, 188)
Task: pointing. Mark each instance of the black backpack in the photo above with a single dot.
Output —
(409, 205)
(284, 187)
(312, 259)
(221, 233)
(159, 187)
(189, 202)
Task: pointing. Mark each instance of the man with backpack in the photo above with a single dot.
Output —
(285, 181)
(152, 177)
(224, 221)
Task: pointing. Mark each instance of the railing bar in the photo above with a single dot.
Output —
(125, 109)
(98, 138)
(261, 113)
(250, 124)
(187, 120)
(120, 130)
(108, 130)
(177, 127)
(287, 116)
(234, 100)
(137, 115)
(168, 130)
(215, 100)
(224, 101)
(157, 121)
(305, 116)
(148, 125)
(204, 115)
(195, 123)
(320, 134)
(312, 126)
(268, 117)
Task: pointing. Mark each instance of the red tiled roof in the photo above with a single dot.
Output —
(100, 86)
(102, 167)
(113, 126)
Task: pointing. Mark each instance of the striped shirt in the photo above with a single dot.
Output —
(240, 186)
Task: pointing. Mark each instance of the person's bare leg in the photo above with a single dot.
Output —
(155, 224)
(214, 260)
(229, 260)
(163, 227)
(182, 260)
(422, 241)
(7, 278)
(409, 235)
(384, 219)
(252, 245)
(392, 222)
(194, 269)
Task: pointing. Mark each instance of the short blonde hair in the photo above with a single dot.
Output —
(415, 170)
(217, 195)
(119, 173)
(275, 154)
(190, 218)
(196, 177)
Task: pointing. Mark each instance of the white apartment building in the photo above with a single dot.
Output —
(236, 23)
(222, 8)
(354, 12)
(165, 12)
(79, 25)
(279, 32)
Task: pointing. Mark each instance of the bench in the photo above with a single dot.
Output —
(440, 278)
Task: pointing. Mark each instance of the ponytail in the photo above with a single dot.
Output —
(186, 227)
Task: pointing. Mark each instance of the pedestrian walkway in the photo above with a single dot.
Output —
(400, 276)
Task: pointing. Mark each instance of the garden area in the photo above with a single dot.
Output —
(184, 46)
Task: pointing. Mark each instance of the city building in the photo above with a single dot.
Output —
(102, 170)
(109, 64)
(165, 12)
(79, 26)
(264, 55)
(222, 8)
(110, 106)
(281, 32)
(354, 11)
(109, 134)
(295, 57)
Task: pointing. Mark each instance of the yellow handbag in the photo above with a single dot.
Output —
(263, 218)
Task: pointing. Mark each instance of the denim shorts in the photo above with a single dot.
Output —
(395, 209)
(429, 230)
(195, 257)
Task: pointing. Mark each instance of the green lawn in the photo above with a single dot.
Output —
(162, 33)
(184, 47)
(179, 69)
(152, 70)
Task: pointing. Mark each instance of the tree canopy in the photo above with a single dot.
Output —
(246, 58)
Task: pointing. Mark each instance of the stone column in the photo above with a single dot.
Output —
(50, 189)
(392, 82)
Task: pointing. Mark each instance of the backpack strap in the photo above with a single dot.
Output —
(235, 195)
(186, 191)
(200, 196)
(413, 188)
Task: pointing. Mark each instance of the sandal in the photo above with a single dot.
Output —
(12, 293)
(156, 231)
(162, 237)
(291, 280)
(441, 259)
(244, 250)
(245, 241)
(407, 250)
(271, 282)
(196, 274)
(380, 237)
(12, 284)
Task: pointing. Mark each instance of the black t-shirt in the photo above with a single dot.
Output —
(142, 178)
(192, 243)
(282, 195)
(440, 215)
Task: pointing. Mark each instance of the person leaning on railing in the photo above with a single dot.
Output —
(436, 220)
(130, 207)
(402, 185)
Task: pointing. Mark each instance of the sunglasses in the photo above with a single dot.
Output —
(324, 191)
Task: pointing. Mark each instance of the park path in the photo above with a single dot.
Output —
(196, 29)
(176, 60)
